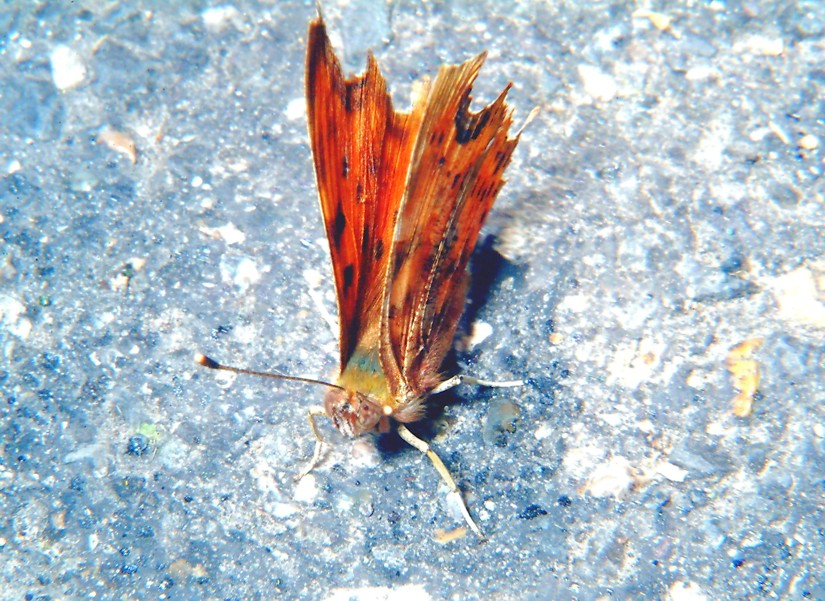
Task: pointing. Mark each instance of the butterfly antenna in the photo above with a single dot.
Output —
(212, 364)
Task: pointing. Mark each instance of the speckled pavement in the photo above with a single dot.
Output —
(654, 270)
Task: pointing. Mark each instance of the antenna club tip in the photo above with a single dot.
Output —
(202, 359)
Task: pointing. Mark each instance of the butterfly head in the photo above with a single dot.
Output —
(352, 412)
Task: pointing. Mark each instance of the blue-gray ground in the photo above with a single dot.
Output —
(665, 206)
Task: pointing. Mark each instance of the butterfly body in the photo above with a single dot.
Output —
(365, 402)
(358, 405)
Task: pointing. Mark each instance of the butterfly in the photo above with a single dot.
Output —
(403, 196)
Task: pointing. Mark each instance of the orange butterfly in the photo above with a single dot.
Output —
(404, 196)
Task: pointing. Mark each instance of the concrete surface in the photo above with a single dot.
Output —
(157, 199)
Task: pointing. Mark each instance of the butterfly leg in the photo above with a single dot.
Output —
(422, 446)
(319, 441)
(462, 379)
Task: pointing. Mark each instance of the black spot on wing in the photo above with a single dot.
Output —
(428, 264)
(349, 276)
(339, 224)
(450, 269)
(353, 97)
(502, 158)
(402, 254)
(467, 125)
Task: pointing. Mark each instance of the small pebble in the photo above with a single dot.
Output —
(68, 70)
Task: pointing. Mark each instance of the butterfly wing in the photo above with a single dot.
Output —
(361, 149)
(454, 176)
